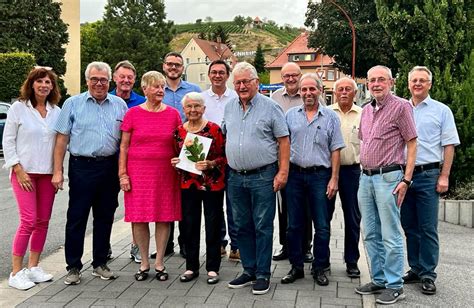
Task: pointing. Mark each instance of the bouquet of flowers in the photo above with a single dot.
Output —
(194, 150)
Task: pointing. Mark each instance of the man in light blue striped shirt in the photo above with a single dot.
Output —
(89, 123)
(316, 142)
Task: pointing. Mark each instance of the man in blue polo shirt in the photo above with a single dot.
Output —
(437, 137)
(124, 77)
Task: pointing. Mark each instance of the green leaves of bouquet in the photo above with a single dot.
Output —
(193, 150)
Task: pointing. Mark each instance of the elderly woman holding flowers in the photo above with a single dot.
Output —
(205, 190)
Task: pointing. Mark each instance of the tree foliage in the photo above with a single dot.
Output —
(331, 33)
(92, 48)
(35, 27)
(439, 35)
(240, 21)
(136, 31)
(259, 60)
(14, 66)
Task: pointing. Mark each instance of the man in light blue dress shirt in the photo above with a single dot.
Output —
(257, 149)
(316, 142)
(437, 137)
(89, 127)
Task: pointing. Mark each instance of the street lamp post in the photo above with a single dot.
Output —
(353, 34)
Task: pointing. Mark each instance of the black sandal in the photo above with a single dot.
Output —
(141, 274)
(161, 275)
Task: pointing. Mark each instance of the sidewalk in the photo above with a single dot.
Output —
(455, 281)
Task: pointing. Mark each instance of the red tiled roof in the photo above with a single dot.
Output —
(300, 46)
(215, 51)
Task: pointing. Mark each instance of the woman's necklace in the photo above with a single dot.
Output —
(153, 109)
(199, 128)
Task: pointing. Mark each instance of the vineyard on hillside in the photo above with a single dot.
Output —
(284, 34)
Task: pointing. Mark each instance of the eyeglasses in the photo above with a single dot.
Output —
(288, 76)
(223, 73)
(378, 80)
(171, 64)
(95, 80)
(422, 81)
(245, 82)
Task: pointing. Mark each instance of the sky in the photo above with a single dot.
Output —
(187, 11)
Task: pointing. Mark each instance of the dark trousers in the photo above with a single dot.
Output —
(230, 219)
(170, 244)
(92, 184)
(212, 201)
(348, 187)
(283, 222)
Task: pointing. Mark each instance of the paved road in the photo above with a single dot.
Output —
(9, 222)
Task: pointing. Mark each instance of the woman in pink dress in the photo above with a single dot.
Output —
(150, 183)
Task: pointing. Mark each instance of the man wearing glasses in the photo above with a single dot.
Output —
(89, 127)
(437, 137)
(288, 97)
(386, 128)
(258, 151)
(216, 98)
(176, 88)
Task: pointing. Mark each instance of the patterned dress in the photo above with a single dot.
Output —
(155, 195)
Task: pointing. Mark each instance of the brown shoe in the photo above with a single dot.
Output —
(234, 255)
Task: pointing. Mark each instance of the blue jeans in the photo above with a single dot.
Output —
(381, 227)
(313, 186)
(348, 186)
(253, 201)
(419, 217)
(230, 218)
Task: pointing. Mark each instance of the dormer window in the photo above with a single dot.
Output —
(301, 57)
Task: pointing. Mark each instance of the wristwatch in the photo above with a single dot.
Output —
(407, 182)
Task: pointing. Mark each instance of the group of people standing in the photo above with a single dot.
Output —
(388, 161)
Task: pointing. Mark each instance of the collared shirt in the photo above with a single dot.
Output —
(436, 128)
(350, 122)
(251, 140)
(285, 100)
(173, 98)
(135, 99)
(313, 141)
(28, 138)
(385, 128)
(93, 128)
(215, 105)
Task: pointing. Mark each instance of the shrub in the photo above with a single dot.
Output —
(14, 66)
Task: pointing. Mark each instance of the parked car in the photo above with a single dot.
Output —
(3, 117)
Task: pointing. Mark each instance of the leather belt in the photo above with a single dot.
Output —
(256, 170)
(93, 159)
(421, 168)
(382, 170)
(312, 169)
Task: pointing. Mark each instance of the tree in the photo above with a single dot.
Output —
(92, 48)
(331, 33)
(35, 27)
(259, 61)
(208, 19)
(239, 20)
(219, 33)
(439, 35)
(136, 31)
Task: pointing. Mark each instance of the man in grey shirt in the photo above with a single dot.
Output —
(258, 151)
(288, 97)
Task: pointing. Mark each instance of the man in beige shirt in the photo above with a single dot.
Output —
(289, 97)
(349, 173)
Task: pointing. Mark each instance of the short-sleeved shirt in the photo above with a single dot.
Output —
(385, 128)
(251, 136)
(350, 122)
(135, 99)
(215, 105)
(312, 142)
(285, 100)
(435, 128)
(93, 128)
(173, 98)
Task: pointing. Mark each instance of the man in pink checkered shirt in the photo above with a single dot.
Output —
(387, 127)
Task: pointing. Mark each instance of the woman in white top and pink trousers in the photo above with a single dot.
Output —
(28, 143)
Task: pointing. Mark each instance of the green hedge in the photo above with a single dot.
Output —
(14, 67)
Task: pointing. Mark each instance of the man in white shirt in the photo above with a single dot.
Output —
(215, 99)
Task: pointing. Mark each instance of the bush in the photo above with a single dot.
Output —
(14, 66)
(463, 191)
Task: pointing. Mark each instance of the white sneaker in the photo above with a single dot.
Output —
(36, 274)
(20, 281)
